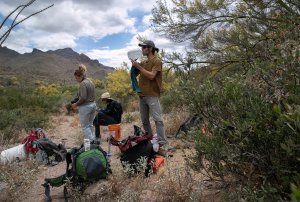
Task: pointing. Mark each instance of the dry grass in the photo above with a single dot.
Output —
(173, 120)
(171, 184)
(175, 182)
(79, 137)
(132, 106)
(129, 117)
(76, 122)
(15, 178)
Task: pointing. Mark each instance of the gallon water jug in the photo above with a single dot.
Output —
(12, 154)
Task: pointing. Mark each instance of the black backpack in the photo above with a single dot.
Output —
(49, 152)
(134, 149)
(118, 111)
(132, 158)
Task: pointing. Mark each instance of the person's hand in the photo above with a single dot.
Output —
(74, 106)
(69, 107)
(135, 64)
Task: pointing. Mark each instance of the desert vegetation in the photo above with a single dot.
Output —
(23, 108)
(240, 74)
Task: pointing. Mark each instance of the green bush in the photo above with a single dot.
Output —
(21, 108)
(252, 138)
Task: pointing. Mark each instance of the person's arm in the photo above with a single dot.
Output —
(75, 99)
(149, 74)
(109, 108)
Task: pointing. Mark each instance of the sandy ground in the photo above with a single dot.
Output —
(65, 128)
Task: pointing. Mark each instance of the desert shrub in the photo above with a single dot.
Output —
(118, 83)
(173, 98)
(51, 89)
(99, 83)
(168, 102)
(9, 81)
(252, 138)
(39, 83)
(295, 192)
(22, 108)
(250, 96)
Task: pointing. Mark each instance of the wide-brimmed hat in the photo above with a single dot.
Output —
(105, 95)
(149, 43)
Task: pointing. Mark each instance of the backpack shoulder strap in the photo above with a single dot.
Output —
(70, 159)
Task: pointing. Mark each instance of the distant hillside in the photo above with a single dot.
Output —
(52, 66)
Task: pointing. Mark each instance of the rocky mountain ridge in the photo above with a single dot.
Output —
(53, 66)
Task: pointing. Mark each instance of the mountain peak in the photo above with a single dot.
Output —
(51, 66)
(65, 52)
(8, 52)
(35, 50)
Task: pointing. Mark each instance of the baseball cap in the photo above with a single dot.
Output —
(149, 43)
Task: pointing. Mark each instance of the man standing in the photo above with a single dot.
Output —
(150, 83)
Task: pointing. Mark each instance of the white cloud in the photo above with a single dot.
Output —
(93, 18)
(113, 58)
(146, 20)
(68, 20)
(116, 57)
(54, 41)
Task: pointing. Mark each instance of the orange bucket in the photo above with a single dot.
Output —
(159, 161)
(115, 131)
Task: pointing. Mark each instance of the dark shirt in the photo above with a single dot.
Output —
(113, 109)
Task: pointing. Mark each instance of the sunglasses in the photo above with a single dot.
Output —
(143, 47)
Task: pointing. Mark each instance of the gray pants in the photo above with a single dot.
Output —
(86, 116)
(152, 105)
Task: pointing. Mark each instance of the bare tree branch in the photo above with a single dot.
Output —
(11, 14)
(14, 24)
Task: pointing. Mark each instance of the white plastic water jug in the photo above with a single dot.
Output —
(10, 155)
(134, 54)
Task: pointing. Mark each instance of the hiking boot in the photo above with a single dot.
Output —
(162, 151)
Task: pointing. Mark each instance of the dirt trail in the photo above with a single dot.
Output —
(66, 127)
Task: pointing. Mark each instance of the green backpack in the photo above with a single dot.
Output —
(87, 166)
(90, 165)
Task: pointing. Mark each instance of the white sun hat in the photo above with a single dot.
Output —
(105, 95)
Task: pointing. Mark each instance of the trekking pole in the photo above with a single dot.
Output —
(108, 152)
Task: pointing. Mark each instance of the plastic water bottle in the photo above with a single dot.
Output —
(155, 143)
(87, 144)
